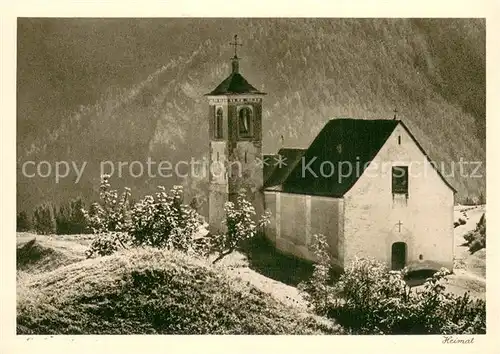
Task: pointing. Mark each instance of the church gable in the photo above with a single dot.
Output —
(394, 168)
(429, 160)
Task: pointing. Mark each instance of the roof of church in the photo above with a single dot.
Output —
(279, 173)
(235, 84)
(342, 144)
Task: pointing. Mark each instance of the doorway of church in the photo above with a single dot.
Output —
(398, 258)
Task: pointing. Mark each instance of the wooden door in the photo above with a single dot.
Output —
(398, 258)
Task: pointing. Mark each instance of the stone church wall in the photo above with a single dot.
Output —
(296, 218)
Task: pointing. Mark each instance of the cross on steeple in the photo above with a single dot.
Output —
(235, 44)
(395, 113)
(399, 225)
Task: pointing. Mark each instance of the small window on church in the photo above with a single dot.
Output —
(245, 122)
(400, 180)
(218, 124)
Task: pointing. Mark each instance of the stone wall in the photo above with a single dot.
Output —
(295, 218)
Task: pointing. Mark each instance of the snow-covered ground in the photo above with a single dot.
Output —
(470, 269)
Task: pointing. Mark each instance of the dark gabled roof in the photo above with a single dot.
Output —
(279, 172)
(344, 144)
(268, 167)
(234, 84)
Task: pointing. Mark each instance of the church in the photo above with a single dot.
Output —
(366, 184)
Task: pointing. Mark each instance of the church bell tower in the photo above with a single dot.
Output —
(235, 129)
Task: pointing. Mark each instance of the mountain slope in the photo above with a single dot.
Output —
(125, 90)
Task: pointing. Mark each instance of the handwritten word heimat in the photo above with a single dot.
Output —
(454, 340)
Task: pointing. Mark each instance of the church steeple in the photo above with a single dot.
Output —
(235, 83)
(235, 135)
(235, 64)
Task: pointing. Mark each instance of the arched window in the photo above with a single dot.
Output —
(218, 124)
(245, 122)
